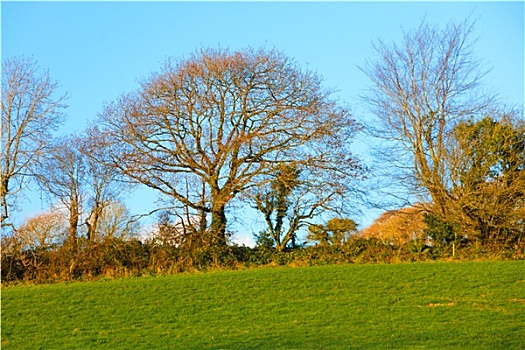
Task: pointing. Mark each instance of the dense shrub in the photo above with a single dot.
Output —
(116, 257)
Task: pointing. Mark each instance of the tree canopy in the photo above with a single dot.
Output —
(207, 128)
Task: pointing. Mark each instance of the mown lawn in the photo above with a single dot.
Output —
(469, 305)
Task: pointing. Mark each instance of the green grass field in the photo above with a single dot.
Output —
(469, 305)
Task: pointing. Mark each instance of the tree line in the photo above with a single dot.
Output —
(252, 128)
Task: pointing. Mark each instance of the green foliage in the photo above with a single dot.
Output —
(476, 305)
(264, 240)
(495, 149)
(336, 232)
(274, 203)
(490, 183)
(318, 233)
(441, 232)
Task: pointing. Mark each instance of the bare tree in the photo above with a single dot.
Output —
(221, 120)
(60, 174)
(115, 221)
(30, 113)
(81, 184)
(103, 183)
(176, 230)
(22, 251)
(421, 89)
(43, 231)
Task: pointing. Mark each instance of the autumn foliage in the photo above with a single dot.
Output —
(398, 227)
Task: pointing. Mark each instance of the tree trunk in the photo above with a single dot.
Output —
(218, 224)
(73, 225)
(3, 195)
(93, 225)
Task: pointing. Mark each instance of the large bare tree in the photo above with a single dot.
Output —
(220, 121)
(31, 111)
(422, 87)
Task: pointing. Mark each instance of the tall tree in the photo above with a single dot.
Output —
(31, 111)
(61, 174)
(220, 121)
(421, 89)
(102, 183)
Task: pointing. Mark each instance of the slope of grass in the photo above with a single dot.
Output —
(474, 305)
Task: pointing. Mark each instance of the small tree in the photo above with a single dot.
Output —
(174, 230)
(295, 197)
(264, 240)
(441, 232)
(102, 183)
(23, 250)
(167, 233)
(336, 232)
(43, 231)
(115, 221)
(274, 204)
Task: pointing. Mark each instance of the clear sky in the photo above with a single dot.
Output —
(98, 50)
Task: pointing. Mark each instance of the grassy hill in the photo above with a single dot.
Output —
(469, 305)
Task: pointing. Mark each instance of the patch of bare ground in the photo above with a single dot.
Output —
(440, 304)
(517, 300)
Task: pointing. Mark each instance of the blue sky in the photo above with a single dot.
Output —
(98, 50)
